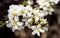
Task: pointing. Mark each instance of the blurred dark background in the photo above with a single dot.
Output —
(54, 23)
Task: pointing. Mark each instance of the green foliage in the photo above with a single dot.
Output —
(24, 2)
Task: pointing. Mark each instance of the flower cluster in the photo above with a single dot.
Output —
(47, 5)
(21, 16)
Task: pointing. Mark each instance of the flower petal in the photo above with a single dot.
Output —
(16, 18)
(42, 30)
(38, 26)
(33, 33)
(14, 28)
(9, 25)
(20, 23)
(33, 27)
(38, 33)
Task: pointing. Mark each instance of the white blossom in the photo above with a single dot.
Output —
(33, 18)
(37, 29)
(55, 1)
(14, 28)
(30, 2)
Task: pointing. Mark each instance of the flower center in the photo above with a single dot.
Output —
(15, 22)
(37, 29)
(22, 11)
(14, 14)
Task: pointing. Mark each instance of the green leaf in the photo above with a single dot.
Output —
(25, 3)
(53, 6)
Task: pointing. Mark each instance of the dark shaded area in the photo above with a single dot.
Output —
(52, 19)
(6, 33)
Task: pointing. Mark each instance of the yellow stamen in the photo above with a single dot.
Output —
(15, 22)
(36, 14)
(37, 29)
(14, 14)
